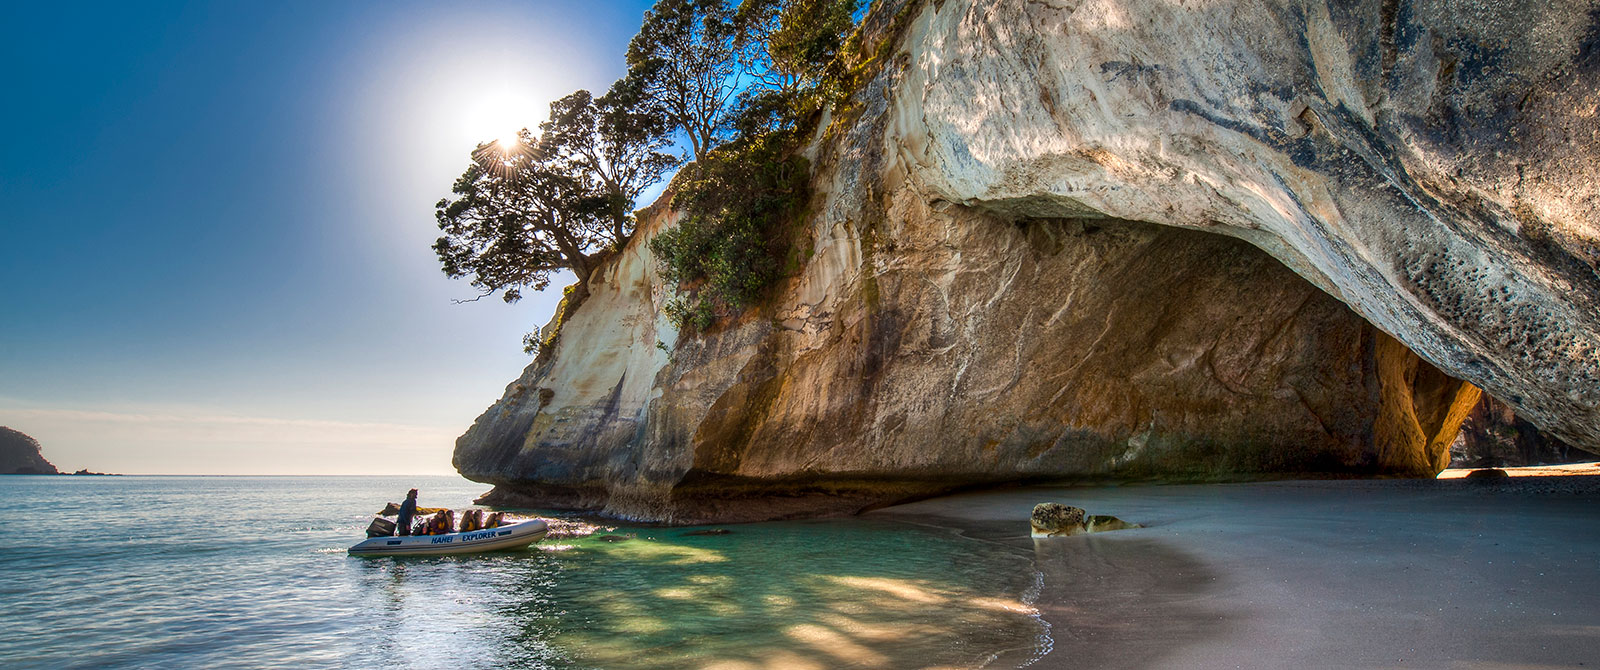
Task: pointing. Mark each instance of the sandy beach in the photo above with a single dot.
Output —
(1447, 573)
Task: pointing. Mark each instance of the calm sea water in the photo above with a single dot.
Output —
(251, 572)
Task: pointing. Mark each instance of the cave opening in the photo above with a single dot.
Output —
(1225, 359)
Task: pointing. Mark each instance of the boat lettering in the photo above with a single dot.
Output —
(443, 539)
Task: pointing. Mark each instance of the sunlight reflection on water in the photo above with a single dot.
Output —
(251, 572)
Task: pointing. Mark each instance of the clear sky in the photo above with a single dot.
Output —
(217, 219)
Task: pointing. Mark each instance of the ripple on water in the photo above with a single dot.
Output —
(269, 586)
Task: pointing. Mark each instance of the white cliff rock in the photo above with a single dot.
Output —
(1020, 266)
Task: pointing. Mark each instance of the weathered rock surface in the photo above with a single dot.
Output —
(1104, 523)
(1115, 238)
(1494, 436)
(20, 455)
(1055, 518)
(1432, 163)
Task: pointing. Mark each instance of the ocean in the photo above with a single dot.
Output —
(251, 572)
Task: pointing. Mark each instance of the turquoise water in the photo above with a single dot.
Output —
(247, 572)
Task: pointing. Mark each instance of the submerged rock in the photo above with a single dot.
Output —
(1050, 241)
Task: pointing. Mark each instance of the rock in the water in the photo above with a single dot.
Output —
(20, 455)
(1056, 519)
(1488, 473)
(709, 531)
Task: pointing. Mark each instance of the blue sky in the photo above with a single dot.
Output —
(217, 221)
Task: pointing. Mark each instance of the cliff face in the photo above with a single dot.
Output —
(20, 455)
(1115, 238)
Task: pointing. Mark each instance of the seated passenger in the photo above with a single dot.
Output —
(471, 520)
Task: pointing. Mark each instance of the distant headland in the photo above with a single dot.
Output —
(21, 455)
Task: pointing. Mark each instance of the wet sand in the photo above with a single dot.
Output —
(1449, 573)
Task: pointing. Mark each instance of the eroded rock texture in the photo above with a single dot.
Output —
(1431, 163)
(1116, 238)
(1494, 436)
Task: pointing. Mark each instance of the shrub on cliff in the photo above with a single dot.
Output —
(739, 201)
(731, 240)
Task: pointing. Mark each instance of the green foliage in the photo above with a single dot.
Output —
(791, 44)
(733, 235)
(684, 61)
(514, 220)
(858, 62)
(520, 213)
(542, 341)
(744, 80)
(615, 143)
(733, 240)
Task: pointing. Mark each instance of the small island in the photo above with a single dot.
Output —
(20, 454)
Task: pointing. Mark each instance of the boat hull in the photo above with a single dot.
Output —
(514, 536)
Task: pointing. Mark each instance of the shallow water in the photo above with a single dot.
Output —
(147, 572)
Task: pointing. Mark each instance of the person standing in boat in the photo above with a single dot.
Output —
(408, 509)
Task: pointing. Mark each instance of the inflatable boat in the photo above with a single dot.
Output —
(514, 536)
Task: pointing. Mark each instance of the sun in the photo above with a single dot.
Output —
(497, 114)
(509, 142)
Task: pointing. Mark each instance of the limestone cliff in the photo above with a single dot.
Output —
(1124, 237)
(20, 455)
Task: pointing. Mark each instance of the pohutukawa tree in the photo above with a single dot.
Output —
(789, 44)
(616, 141)
(740, 84)
(522, 212)
(515, 218)
(685, 59)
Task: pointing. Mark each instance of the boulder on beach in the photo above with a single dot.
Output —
(1058, 520)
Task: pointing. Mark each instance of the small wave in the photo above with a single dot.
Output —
(561, 529)
(1044, 643)
(554, 547)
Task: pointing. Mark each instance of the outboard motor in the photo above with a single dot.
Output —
(380, 527)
